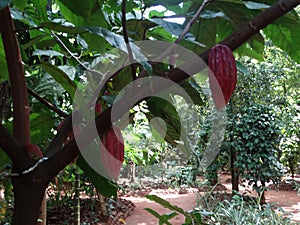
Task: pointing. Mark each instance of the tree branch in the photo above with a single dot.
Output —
(103, 121)
(47, 104)
(192, 21)
(14, 150)
(126, 39)
(21, 109)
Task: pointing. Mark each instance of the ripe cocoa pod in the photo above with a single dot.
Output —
(98, 107)
(223, 78)
(33, 151)
(113, 159)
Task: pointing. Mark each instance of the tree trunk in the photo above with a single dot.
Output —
(42, 220)
(28, 196)
(234, 174)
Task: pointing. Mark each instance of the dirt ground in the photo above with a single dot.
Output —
(289, 201)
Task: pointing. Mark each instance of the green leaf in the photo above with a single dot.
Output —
(163, 219)
(41, 6)
(193, 90)
(254, 48)
(161, 34)
(40, 126)
(63, 28)
(166, 111)
(4, 71)
(87, 13)
(61, 77)
(20, 4)
(240, 67)
(33, 41)
(4, 159)
(149, 3)
(103, 185)
(4, 3)
(136, 28)
(173, 28)
(255, 5)
(117, 41)
(49, 53)
(165, 204)
(122, 79)
(285, 34)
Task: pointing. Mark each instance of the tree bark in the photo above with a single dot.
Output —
(28, 195)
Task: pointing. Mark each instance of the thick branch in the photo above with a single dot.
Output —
(70, 151)
(243, 34)
(13, 149)
(21, 127)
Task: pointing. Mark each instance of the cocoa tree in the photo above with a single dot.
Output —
(30, 177)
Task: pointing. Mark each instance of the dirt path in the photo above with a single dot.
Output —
(289, 201)
(141, 217)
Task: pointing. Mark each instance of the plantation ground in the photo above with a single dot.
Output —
(187, 199)
(289, 201)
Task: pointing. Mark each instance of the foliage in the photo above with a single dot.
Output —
(273, 82)
(239, 211)
(229, 211)
(255, 136)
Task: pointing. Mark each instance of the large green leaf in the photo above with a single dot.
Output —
(40, 126)
(254, 48)
(117, 41)
(173, 28)
(88, 13)
(193, 90)
(20, 4)
(61, 77)
(136, 28)
(103, 185)
(4, 159)
(166, 111)
(285, 34)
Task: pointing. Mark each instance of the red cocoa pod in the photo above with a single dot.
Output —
(223, 78)
(112, 156)
(98, 107)
(33, 151)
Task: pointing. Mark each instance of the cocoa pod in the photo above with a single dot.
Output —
(223, 78)
(113, 156)
(33, 151)
(98, 107)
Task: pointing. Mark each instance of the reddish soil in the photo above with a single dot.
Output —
(289, 201)
(141, 217)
